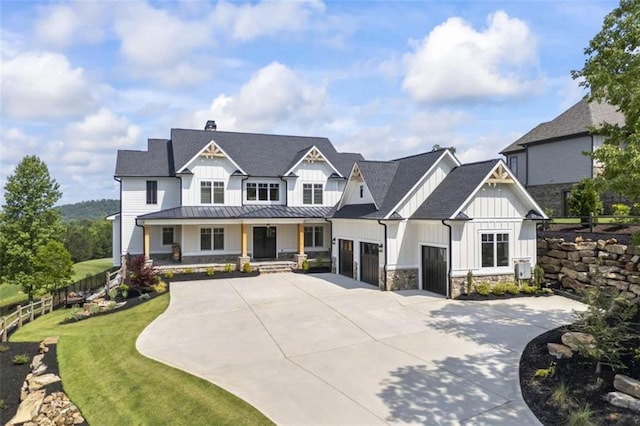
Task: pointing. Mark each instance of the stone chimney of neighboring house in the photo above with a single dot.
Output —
(210, 126)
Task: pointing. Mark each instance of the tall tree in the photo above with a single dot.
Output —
(53, 266)
(28, 221)
(612, 73)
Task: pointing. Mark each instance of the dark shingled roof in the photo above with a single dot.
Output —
(388, 182)
(235, 212)
(257, 154)
(156, 161)
(574, 121)
(454, 190)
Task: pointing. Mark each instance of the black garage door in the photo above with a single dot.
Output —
(434, 269)
(369, 263)
(346, 257)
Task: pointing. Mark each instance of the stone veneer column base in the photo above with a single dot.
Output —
(243, 260)
(299, 259)
(402, 279)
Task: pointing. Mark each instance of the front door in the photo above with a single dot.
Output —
(264, 242)
(346, 257)
(434, 269)
(369, 263)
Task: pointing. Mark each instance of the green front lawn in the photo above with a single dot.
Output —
(111, 383)
(90, 267)
(10, 294)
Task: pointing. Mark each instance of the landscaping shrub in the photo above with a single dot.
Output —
(228, 267)
(142, 275)
(94, 309)
(124, 291)
(529, 289)
(538, 276)
(168, 274)
(512, 288)
(188, 271)
(246, 268)
(483, 289)
(4, 348)
(21, 359)
(144, 296)
(622, 210)
(584, 199)
(499, 289)
(305, 265)
(319, 263)
(113, 293)
(210, 272)
(161, 287)
(469, 282)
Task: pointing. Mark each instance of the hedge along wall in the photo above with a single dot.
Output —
(587, 263)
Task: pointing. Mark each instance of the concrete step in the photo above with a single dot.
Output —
(276, 267)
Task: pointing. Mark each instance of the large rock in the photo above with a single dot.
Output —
(627, 385)
(37, 360)
(552, 269)
(576, 340)
(634, 288)
(586, 245)
(620, 285)
(616, 248)
(569, 272)
(589, 260)
(558, 254)
(623, 400)
(52, 340)
(559, 351)
(574, 256)
(41, 381)
(28, 409)
(569, 246)
(549, 260)
(573, 284)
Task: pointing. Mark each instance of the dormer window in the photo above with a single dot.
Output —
(211, 192)
(312, 193)
(263, 191)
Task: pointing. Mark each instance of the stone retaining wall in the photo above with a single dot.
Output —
(581, 264)
(401, 279)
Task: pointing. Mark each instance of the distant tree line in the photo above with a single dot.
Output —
(88, 239)
(92, 210)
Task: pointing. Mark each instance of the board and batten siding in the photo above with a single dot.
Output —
(190, 240)
(211, 169)
(317, 172)
(406, 238)
(425, 187)
(466, 245)
(559, 162)
(499, 201)
(359, 231)
(155, 238)
(352, 193)
(134, 204)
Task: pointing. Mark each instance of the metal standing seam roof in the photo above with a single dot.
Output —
(389, 182)
(238, 212)
(257, 154)
(454, 190)
(574, 121)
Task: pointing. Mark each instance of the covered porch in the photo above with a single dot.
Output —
(202, 240)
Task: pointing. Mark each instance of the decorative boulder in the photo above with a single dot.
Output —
(559, 351)
(576, 340)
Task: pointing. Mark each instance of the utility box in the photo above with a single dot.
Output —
(523, 270)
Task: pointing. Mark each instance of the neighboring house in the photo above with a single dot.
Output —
(549, 159)
(206, 196)
(425, 221)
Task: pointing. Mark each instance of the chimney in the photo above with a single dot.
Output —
(210, 126)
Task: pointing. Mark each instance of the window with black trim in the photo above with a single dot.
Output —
(152, 192)
(167, 236)
(313, 236)
(211, 238)
(263, 191)
(311, 193)
(495, 250)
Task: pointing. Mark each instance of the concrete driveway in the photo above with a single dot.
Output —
(327, 350)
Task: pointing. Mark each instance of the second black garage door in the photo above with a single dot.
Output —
(434, 269)
(369, 263)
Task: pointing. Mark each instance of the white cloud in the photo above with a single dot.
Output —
(275, 95)
(61, 25)
(250, 21)
(102, 131)
(42, 85)
(159, 44)
(457, 62)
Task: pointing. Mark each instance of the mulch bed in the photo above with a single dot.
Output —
(313, 270)
(476, 296)
(218, 275)
(578, 374)
(600, 232)
(13, 375)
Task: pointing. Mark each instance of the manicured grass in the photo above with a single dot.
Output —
(10, 294)
(111, 383)
(90, 267)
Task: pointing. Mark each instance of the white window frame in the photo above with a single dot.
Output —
(314, 190)
(215, 230)
(314, 242)
(268, 186)
(213, 184)
(495, 233)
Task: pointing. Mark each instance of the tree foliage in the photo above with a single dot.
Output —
(91, 210)
(88, 240)
(612, 73)
(28, 221)
(584, 199)
(53, 266)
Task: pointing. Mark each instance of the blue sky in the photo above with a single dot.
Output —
(387, 79)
